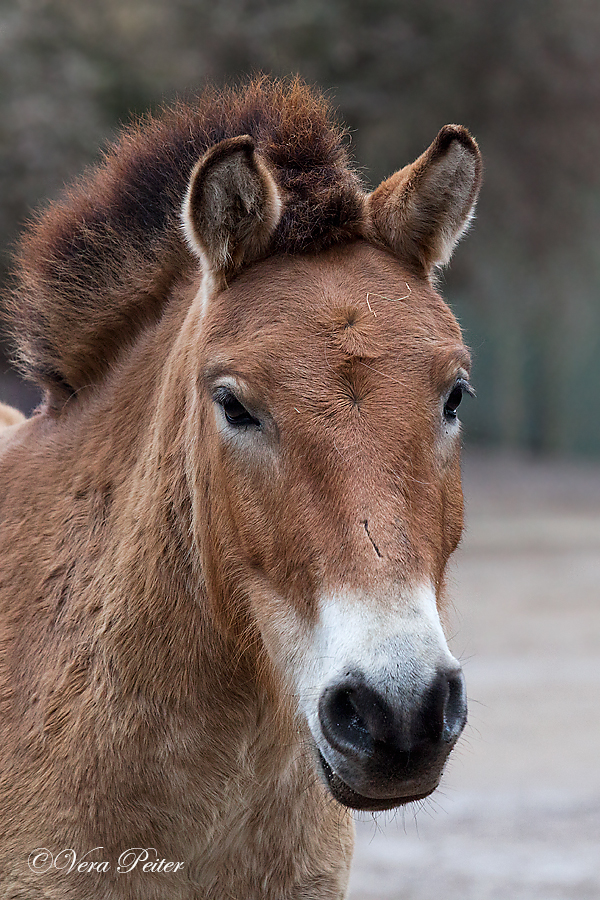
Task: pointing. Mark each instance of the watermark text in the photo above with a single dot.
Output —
(144, 859)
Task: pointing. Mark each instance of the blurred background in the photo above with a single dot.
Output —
(518, 815)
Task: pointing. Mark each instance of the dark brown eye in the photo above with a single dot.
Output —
(455, 396)
(236, 414)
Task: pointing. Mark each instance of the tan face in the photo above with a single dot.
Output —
(328, 498)
(329, 389)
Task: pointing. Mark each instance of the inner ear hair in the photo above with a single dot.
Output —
(422, 210)
(232, 206)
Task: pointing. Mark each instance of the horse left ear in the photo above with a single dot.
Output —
(232, 206)
(422, 210)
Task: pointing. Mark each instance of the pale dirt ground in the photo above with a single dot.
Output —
(518, 813)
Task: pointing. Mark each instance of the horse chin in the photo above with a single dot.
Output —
(347, 796)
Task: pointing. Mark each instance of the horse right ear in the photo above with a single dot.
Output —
(232, 206)
(422, 210)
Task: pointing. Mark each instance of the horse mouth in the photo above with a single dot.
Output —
(347, 796)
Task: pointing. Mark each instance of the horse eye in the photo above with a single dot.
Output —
(235, 413)
(455, 396)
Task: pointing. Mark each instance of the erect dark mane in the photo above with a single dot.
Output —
(98, 264)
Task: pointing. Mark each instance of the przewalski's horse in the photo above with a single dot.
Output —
(224, 532)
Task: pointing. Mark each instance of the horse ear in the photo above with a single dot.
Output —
(232, 206)
(422, 210)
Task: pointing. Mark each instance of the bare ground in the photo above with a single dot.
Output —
(518, 814)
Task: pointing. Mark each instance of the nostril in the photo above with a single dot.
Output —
(455, 707)
(341, 721)
(346, 718)
(353, 717)
(445, 711)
